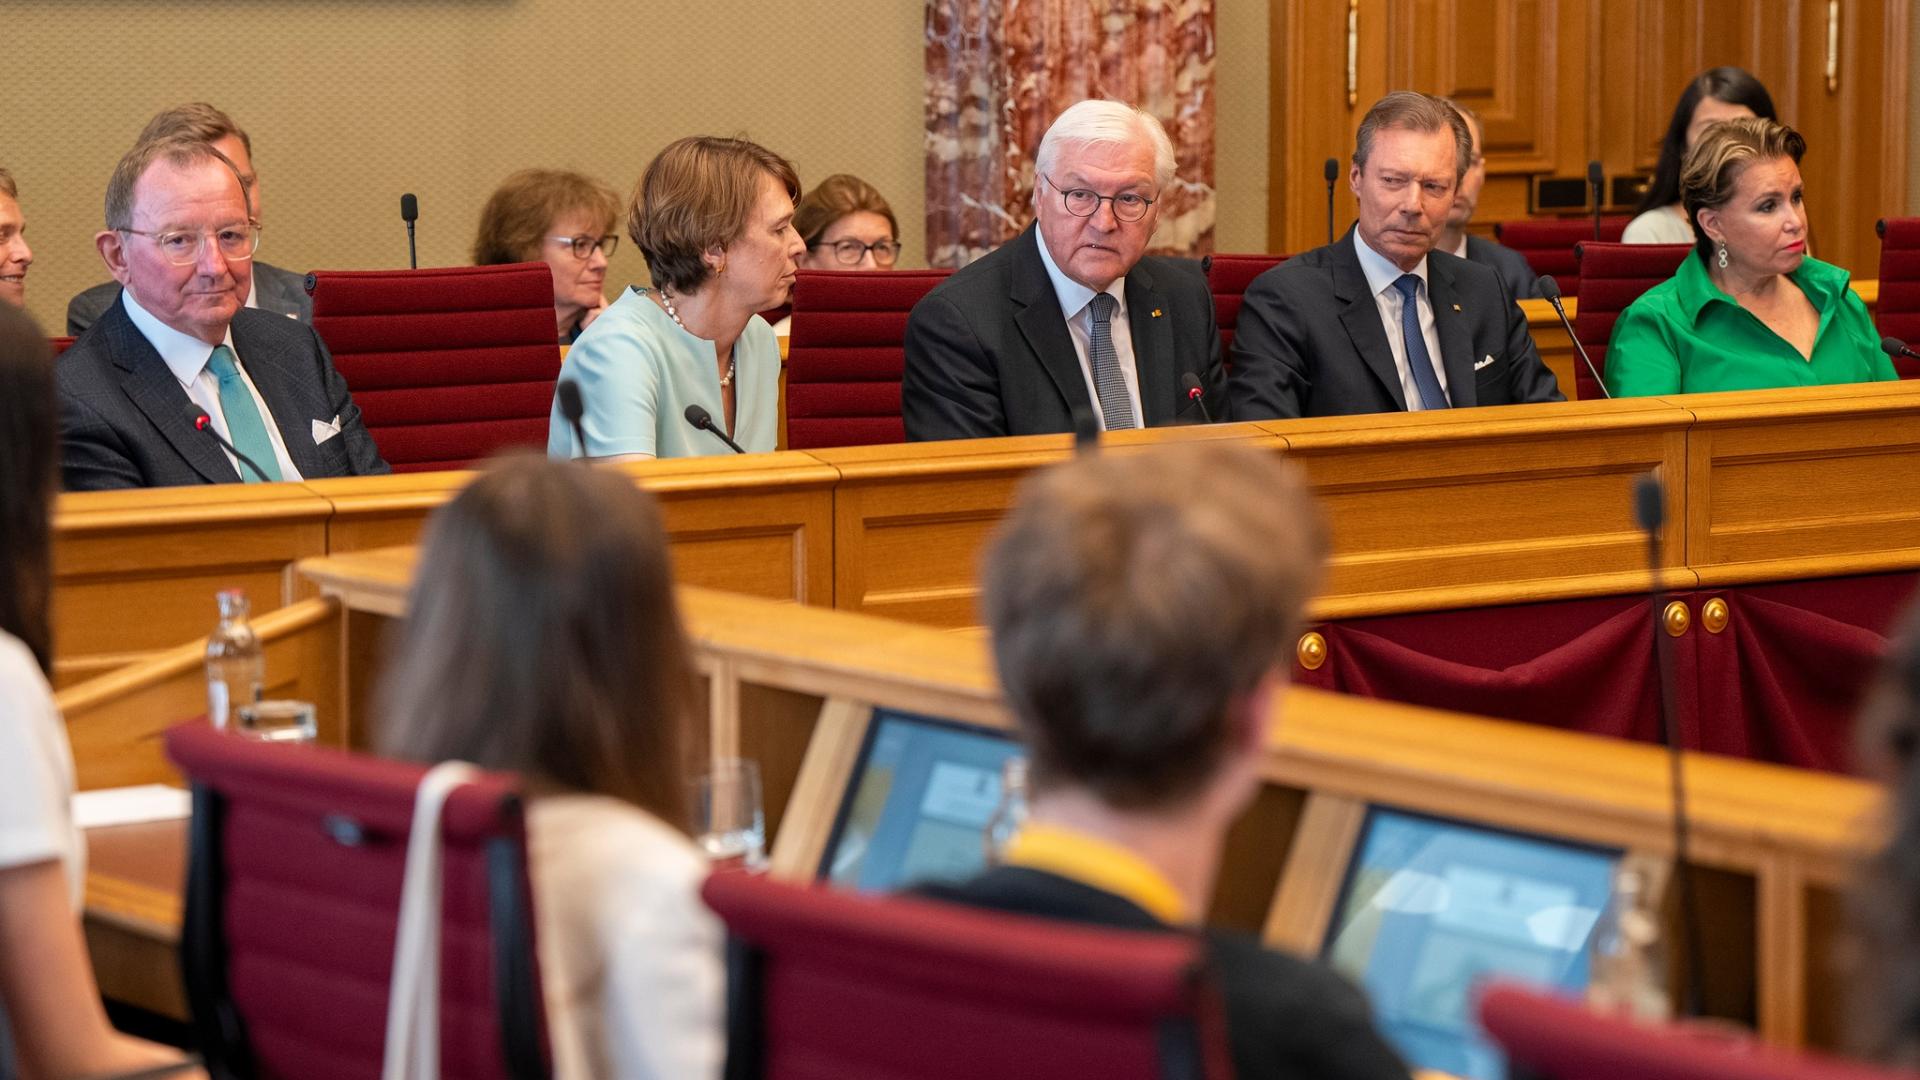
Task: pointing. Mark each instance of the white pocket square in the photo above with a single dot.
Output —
(1484, 363)
(322, 432)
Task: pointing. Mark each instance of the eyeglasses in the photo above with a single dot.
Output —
(849, 252)
(182, 247)
(1080, 202)
(583, 245)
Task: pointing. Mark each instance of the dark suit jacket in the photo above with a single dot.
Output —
(1514, 270)
(1310, 342)
(1285, 1017)
(282, 292)
(989, 353)
(125, 422)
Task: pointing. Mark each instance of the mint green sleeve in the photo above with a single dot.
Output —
(1641, 361)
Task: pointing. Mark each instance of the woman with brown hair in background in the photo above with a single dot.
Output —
(560, 218)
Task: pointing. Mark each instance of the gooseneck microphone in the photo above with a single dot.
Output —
(1332, 171)
(703, 420)
(1896, 348)
(1549, 290)
(410, 213)
(203, 422)
(1596, 179)
(1196, 393)
(572, 408)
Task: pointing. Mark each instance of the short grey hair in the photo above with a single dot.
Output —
(179, 151)
(1096, 122)
(1410, 110)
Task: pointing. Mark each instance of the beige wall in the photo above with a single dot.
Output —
(352, 102)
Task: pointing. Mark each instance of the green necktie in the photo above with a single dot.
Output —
(244, 426)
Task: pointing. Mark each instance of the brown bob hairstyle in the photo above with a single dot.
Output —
(543, 638)
(515, 221)
(834, 198)
(699, 194)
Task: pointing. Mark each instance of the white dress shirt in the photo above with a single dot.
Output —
(1074, 300)
(186, 357)
(1381, 274)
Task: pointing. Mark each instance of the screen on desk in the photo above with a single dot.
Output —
(917, 805)
(1431, 908)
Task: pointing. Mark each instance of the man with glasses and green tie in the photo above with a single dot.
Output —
(178, 382)
(1071, 315)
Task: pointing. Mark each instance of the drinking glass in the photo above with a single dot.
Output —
(728, 823)
(277, 721)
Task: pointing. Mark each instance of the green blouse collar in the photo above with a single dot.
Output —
(1823, 283)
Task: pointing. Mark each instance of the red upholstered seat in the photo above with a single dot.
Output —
(1227, 279)
(292, 898)
(447, 365)
(1611, 277)
(1898, 314)
(1547, 243)
(1556, 1039)
(830, 984)
(845, 354)
(60, 344)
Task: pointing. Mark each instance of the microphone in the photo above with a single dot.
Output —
(1549, 290)
(567, 392)
(1597, 180)
(1086, 430)
(1196, 393)
(1650, 510)
(703, 420)
(1332, 170)
(203, 422)
(410, 213)
(1896, 348)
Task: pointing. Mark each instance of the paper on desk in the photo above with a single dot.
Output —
(130, 805)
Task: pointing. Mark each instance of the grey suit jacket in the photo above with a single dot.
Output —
(282, 292)
(125, 422)
(1512, 266)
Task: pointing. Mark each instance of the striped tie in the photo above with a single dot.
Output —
(244, 426)
(1115, 408)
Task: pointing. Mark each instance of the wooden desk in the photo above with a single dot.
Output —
(136, 875)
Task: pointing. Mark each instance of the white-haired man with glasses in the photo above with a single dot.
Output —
(179, 359)
(1071, 315)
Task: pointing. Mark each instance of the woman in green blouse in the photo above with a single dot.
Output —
(1748, 309)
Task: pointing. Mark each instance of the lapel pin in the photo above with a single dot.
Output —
(1156, 313)
(1456, 307)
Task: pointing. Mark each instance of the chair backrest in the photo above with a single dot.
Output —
(1898, 314)
(447, 365)
(1547, 243)
(845, 352)
(1613, 276)
(293, 891)
(1557, 1039)
(1227, 279)
(892, 988)
(60, 344)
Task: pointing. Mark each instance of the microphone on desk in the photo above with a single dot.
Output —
(1332, 171)
(1196, 393)
(1549, 290)
(410, 213)
(1597, 180)
(1650, 510)
(572, 408)
(703, 420)
(203, 422)
(1896, 348)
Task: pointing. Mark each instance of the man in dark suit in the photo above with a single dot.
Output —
(177, 359)
(1143, 611)
(282, 292)
(1379, 321)
(1069, 316)
(1521, 282)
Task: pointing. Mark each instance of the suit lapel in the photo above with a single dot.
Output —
(1044, 325)
(1361, 317)
(1153, 359)
(277, 380)
(150, 385)
(1456, 339)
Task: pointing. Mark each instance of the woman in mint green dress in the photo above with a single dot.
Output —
(1748, 309)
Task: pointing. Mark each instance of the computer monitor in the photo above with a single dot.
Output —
(917, 804)
(1431, 908)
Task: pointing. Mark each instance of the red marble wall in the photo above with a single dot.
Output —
(998, 71)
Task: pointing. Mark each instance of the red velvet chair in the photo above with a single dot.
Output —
(1549, 1038)
(60, 344)
(845, 354)
(1547, 243)
(1898, 314)
(1227, 279)
(893, 988)
(1611, 277)
(447, 365)
(293, 891)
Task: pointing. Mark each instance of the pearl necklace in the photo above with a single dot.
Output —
(667, 302)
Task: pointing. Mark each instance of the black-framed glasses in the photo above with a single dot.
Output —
(583, 245)
(849, 252)
(182, 247)
(1081, 202)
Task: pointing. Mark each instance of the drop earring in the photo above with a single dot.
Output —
(1721, 258)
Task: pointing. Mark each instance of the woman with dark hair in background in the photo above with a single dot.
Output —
(1723, 93)
(560, 218)
(543, 639)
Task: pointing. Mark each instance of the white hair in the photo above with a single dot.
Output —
(1107, 123)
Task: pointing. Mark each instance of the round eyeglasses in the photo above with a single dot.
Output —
(1080, 202)
(182, 247)
(583, 245)
(849, 252)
